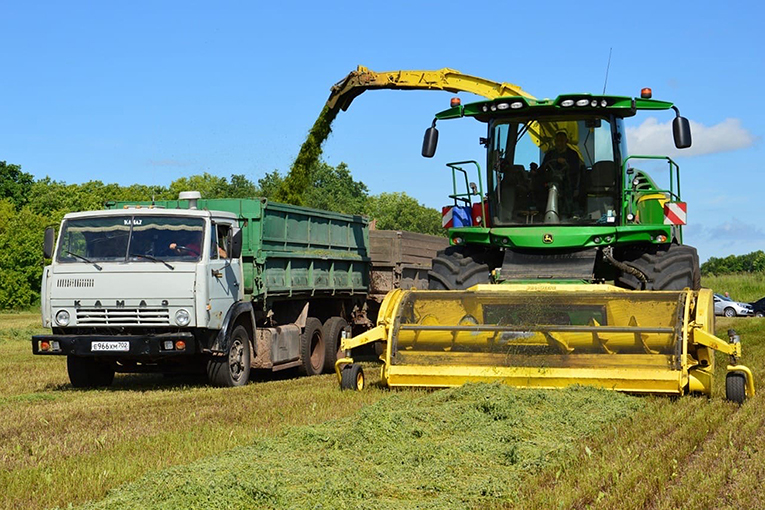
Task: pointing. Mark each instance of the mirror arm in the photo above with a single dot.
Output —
(677, 111)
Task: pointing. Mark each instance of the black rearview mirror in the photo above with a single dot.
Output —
(430, 142)
(50, 239)
(681, 130)
(235, 245)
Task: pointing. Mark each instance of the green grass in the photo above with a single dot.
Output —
(747, 287)
(300, 442)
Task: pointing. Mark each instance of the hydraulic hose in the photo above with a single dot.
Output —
(608, 252)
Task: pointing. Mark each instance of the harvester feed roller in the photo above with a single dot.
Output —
(549, 336)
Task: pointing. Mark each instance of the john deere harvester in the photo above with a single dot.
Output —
(566, 265)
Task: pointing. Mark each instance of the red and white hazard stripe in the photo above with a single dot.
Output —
(675, 213)
(447, 217)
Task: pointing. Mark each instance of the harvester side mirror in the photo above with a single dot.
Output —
(235, 245)
(50, 239)
(430, 141)
(681, 130)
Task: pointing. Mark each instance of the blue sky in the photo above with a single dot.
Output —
(148, 92)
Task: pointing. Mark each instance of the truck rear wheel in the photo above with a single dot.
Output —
(333, 331)
(232, 369)
(459, 267)
(89, 372)
(672, 267)
(312, 347)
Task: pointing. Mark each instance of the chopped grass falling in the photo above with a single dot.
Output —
(446, 449)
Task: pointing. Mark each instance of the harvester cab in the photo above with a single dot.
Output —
(562, 200)
(596, 286)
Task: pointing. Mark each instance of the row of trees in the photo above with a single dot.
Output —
(750, 263)
(28, 206)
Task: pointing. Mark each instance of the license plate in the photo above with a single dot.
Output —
(110, 346)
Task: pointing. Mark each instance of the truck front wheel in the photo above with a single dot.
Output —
(88, 372)
(232, 369)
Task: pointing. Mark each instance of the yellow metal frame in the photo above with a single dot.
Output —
(690, 371)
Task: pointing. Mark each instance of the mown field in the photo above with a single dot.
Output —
(301, 443)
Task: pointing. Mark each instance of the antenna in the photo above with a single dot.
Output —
(608, 66)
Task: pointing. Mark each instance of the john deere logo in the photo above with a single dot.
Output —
(547, 239)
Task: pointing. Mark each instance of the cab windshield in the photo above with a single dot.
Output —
(134, 238)
(556, 171)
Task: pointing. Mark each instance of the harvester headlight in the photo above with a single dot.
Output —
(494, 108)
(503, 106)
(630, 217)
(567, 102)
(62, 318)
(485, 108)
(182, 317)
(603, 103)
(583, 102)
(594, 102)
(516, 105)
(596, 240)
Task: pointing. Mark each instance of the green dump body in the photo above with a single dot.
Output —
(292, 252)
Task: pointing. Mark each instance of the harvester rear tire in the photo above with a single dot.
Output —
(672, 267)
(312, 348)
(458, 268)
(333, 331)
(735, 387)
(352, 377)
(88, 372)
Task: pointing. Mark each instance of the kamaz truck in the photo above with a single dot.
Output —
(222, 286)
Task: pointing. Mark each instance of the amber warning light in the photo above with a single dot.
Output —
(455, 102)
(646, 93)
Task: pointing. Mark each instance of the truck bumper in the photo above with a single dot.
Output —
(137, 347)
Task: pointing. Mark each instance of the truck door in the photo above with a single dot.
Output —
(224, 280)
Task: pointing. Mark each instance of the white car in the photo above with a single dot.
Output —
(729, 308)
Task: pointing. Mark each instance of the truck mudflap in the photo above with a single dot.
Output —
(158, 346)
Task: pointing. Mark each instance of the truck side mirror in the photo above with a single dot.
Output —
(50, 240)
(430, 141)
(681, 130)
(234, 247)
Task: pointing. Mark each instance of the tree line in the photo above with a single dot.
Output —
(750, 263)
(29, 205)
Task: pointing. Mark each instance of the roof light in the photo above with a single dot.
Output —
(567, 102)
(485, 108)
(603, 103)
(594, 103)
(516, 105)
(503, 106)
(646, 93)
(455, 102)
(583, 102)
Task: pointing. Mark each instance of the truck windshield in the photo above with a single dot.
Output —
(134, 238)
(556, 170)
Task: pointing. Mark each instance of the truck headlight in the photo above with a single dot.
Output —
(62, 318)
(182, 317)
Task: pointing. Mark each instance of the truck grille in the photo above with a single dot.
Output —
(123, 316)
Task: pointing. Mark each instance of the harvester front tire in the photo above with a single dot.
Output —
(735, 387)
(88, 372)
(458, 268)
(232, 369)
(672, 267)
(312, 347)
(333, 331)
(352, 377)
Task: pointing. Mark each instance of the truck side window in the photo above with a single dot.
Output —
(224, 234)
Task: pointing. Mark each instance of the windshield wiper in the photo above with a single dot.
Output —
(83, 258)
(155, 259)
